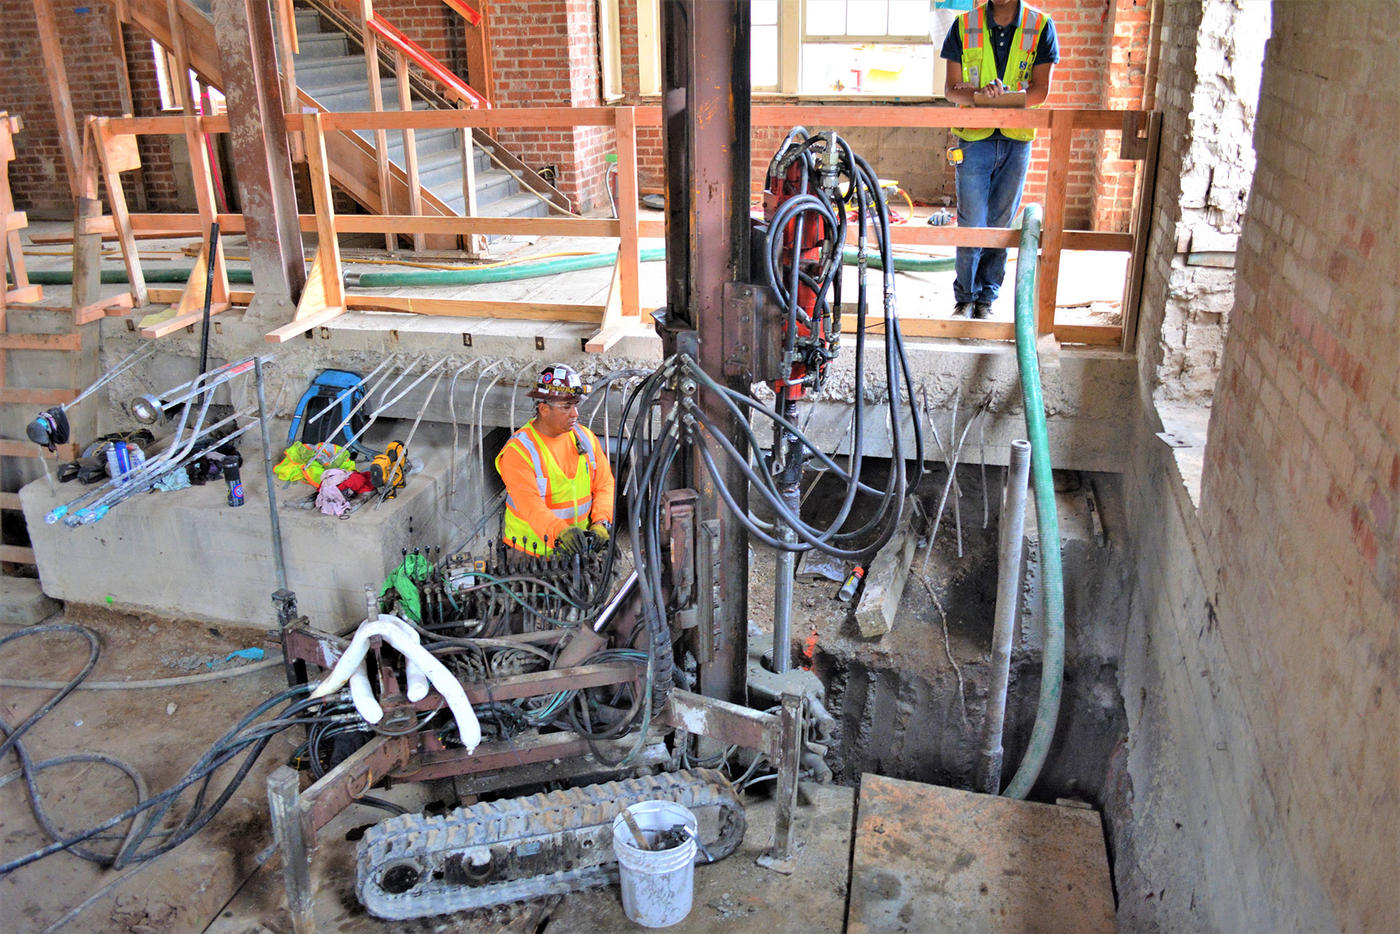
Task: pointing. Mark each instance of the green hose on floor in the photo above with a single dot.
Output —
(406, 278)
(1053, 621)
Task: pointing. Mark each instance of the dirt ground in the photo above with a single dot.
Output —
(161, 733)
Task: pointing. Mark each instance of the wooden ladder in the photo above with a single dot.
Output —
(17, 290)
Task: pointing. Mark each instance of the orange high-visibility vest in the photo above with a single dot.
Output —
(569, 498)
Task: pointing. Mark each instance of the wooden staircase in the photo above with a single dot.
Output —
(18, 404)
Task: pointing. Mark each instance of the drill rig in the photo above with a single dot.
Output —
(564, 675)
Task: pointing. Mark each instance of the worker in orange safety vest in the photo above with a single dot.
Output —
(559, 484)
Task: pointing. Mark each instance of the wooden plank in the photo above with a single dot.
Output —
(612, 326)
(885, 578)
(24, 296)
(14, 395)
(15, 220)
(523, 226)
(159, 326)
(837, 115)
(17, 554)
(116, 198)
(463, 308)
(56, 71)
(1095, 334)
(41, 341)
(370, 41)
(628, 251)
(171, 296)
(189, 225)
(10, 501)
(327, 246)
(1145, 200)
(975, 863)
(299, 327)
(104, 308)
(12, 448)
(1053, 231)
(410, 148)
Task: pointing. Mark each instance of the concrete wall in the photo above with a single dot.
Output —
(1262, 680)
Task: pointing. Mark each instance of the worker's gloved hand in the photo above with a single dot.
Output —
(601, 532)
(570, 541)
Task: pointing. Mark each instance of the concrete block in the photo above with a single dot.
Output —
(22, 602)
(187, 554)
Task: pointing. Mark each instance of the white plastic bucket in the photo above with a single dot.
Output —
(656, 884)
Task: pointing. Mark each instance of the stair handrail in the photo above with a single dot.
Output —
(420, 56)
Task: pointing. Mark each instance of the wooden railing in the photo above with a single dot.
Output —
(325, 296)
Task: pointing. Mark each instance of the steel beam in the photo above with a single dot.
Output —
(705, 131)
(261, 152)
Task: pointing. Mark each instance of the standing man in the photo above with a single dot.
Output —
(1000, 54)
(559, 483)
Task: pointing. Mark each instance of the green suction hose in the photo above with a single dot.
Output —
(118, 276)
(447, 277)
(1053, 622)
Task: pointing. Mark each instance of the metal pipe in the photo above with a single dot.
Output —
(1013, 528)
(278, 558)
(208, 297)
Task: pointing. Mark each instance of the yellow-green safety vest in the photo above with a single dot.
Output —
(979, 64)
(569, 498)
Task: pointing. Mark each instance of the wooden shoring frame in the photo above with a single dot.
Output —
(623, 311)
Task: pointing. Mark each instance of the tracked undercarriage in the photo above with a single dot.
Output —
(495, 852)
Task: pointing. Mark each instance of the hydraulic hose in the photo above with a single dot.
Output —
(1053, 620)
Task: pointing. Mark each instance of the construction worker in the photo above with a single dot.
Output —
(559, 484)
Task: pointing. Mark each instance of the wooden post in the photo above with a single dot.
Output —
(57, 73)
(288, 45)
(376, 104)
(115, 158)
(410, 149)
(628, 250)
(1053, 238)
(475, 243)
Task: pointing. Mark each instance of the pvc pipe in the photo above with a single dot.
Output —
(1013, 528)
(1052, 569)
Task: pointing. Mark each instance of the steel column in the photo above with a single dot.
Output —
(261, 152)
(705, 130)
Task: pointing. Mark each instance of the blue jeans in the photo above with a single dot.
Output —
(990, 179)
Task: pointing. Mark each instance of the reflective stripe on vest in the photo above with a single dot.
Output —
(568, 498)
(979, 62)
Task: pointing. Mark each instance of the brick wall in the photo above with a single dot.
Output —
(38, 177)
(1203, 179)
(1265, 699)
(545, 54)
(1303, 462)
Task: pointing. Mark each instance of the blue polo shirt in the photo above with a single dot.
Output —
(1047, 50)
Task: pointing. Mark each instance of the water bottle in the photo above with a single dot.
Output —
(848, 589)
(234, 479)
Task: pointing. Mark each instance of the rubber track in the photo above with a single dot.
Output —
(427, 843)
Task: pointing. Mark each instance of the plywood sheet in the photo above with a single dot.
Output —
(937, 859)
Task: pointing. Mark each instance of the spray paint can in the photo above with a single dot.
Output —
(234, 479)
(848, 589)
(118, 459)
